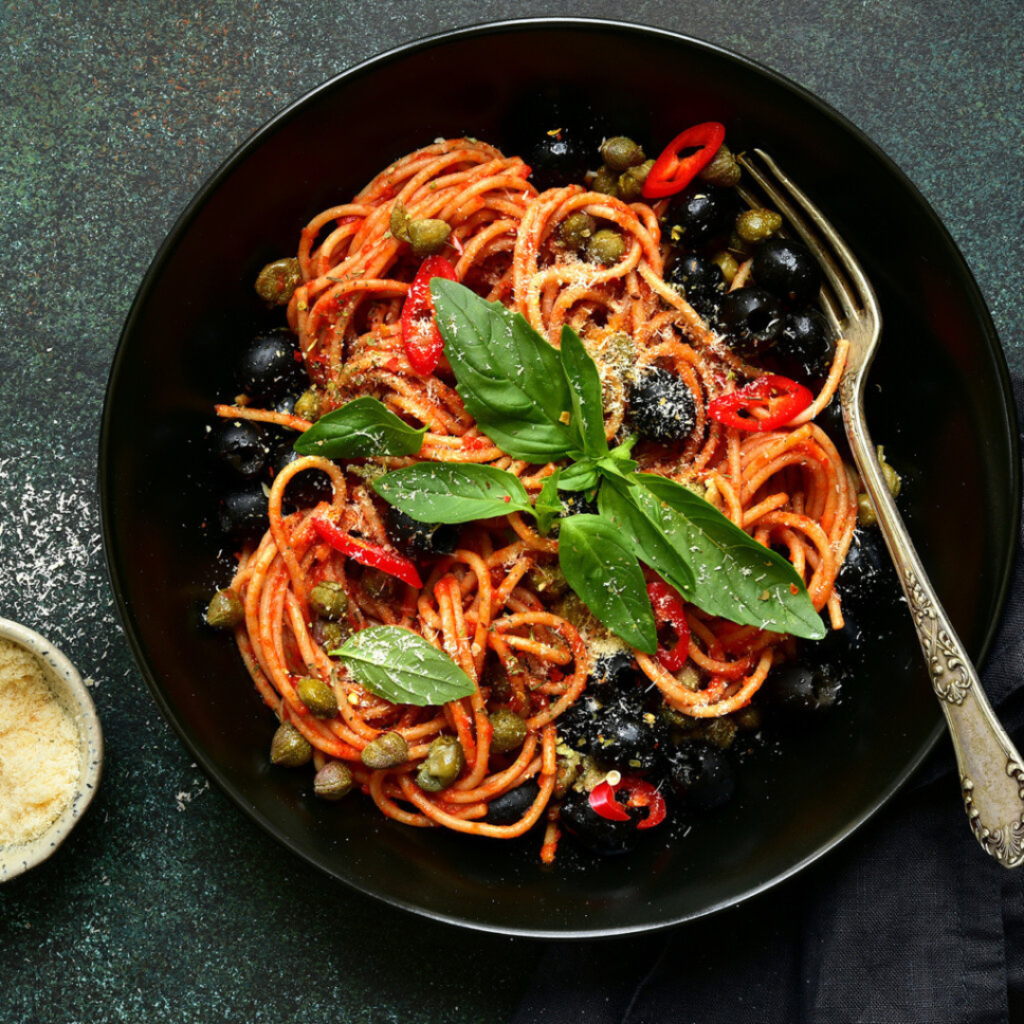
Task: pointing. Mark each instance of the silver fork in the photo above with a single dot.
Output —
(991, 770)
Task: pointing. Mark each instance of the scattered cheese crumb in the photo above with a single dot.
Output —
(39, 749)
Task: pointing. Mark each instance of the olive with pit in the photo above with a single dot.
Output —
(289, 747)
(508, 730)
(387, 751)
(607, 247)
(620, 153)
(268, 367)
(225, 610)
(333, 781)
(444, 763)
(243, 512)
(788, 270)
(329, 600)
(428, 237)
(318, 697)
(277, 281)
(577, 229)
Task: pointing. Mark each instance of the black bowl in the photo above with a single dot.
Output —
(940, 402)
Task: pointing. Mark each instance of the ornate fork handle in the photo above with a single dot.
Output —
(991, 770)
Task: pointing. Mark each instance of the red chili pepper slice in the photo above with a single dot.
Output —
(640, 793)
(764, 404)
(420, 337)
(668, 608)
(368, 554)
(670, 174)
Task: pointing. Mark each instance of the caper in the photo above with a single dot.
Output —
(333, 781)
(277, 281)
(567, 770)
(508, 730)
(866, 515)
(307, 405)
(576, 229)
(605, 181)
(328, 599)
(399, 224)
(444, 763)
(727, 264)
(318, 697)
(378, 584)
(621, 153)
(387, 751)
(756, 226)
(428, 237)
(721, 732)
(547, 579)
(738, 247)
(892, 478)
(289, 747)
(607, 247)
(723, 169)
(225, 610)
(631, 183)
(748, 719)
(333, 635)
(495, 678)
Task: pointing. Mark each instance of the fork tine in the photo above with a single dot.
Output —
(850, 264)
(832, 272)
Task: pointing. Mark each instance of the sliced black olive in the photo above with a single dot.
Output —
(701, 282)
(805, 336)
(699, 213)
(600, 835)
(307, 488)
(243, 512)
(509, 808)
(751, 318)
(701, 774)
(661, 405)
(242, 445)
(268, 367)
(415, 537)
(788, 270)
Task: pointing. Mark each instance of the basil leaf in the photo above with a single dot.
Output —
(403, 668)
(648, 530)
(449, 492)
(360, 428)
(510, 379)
(736, 577)
(548, 503)
(580, 476)
(585, 384)
(606, 575)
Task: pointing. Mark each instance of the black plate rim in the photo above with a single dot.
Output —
(977, 305)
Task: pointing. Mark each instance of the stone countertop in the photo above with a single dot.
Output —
(166, 904)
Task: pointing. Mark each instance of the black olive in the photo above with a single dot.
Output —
(286, 403)
(701, 774)
(600, 835)
(661, 405)
(576, 503)
(268, 368)
(701, 282)
(698, 213)
(419, 538)
(509, 808)
(616, 670)
(243, 512)
(867, 571)
(574, 723)
(622, 736)
(751, 318)
(805, 336)
(800, 686)
(788, 270)
(307, 488)
(242, 445)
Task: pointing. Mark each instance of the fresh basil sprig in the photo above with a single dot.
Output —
(403, 668)
(606, 575)
(451, 492)
(548, 504)
(359, 429)
(585, 391)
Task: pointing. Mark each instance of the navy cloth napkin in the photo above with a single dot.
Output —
(908, 922)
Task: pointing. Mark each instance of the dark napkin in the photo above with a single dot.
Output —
(908, 922)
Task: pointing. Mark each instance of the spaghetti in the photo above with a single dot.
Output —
(495, 604)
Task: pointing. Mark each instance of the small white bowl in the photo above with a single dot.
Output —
(67, 684)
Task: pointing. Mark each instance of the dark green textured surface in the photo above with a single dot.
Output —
(166, 904)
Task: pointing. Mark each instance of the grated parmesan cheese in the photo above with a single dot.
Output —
(39, 749)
